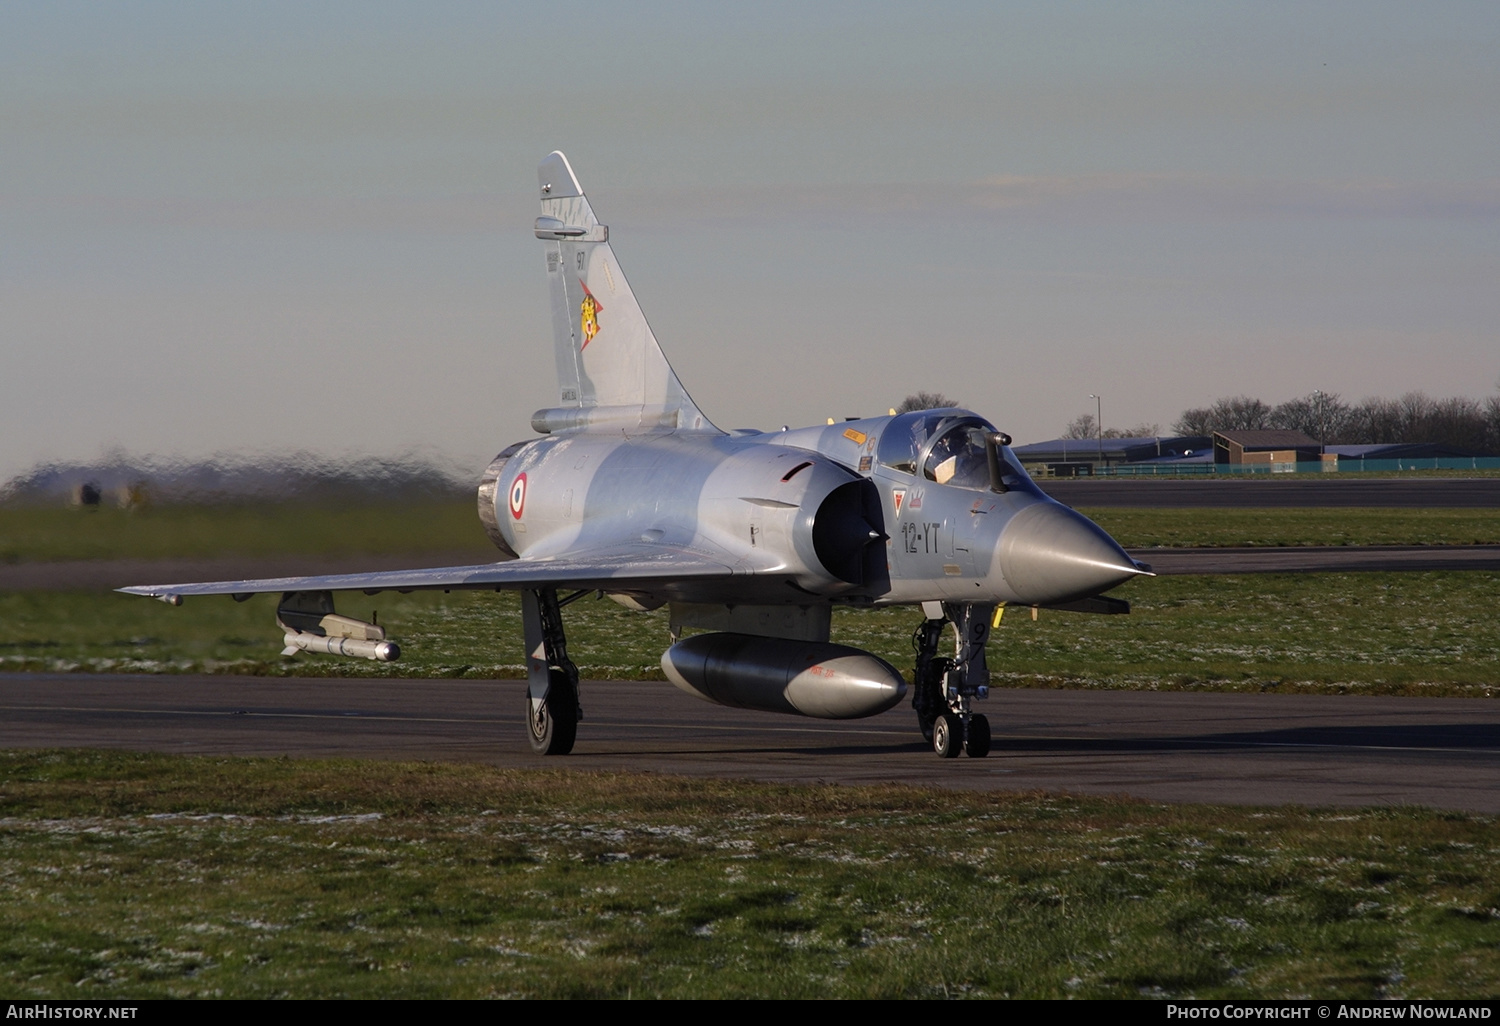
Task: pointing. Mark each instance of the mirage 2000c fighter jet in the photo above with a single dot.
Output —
(631, 492)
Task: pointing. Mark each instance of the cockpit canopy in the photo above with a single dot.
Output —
(946, 447)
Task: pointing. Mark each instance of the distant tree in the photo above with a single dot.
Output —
(1372, 421)
(1461, 422)
(1466, 423)
(1414, 417)
(1197, 421)
(1242, 413)
(925, 401)
(1412, 411)
(1081, 426)
(1295, 415)
(1142, 430)
(1320, 415)
(1232, 413)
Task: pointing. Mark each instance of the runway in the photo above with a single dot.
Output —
(1321, 559)
(1260, 749)
(1303, 490)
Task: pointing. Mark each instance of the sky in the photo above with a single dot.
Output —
(257, 228)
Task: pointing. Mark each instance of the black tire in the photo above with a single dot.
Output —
(553, 726)
(925, 726)
(977, 737)
(947, 735)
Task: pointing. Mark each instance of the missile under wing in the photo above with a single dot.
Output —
(630, 491)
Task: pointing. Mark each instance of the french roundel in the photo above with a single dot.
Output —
(518, 496)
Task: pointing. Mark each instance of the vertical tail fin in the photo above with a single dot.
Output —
(610, 370)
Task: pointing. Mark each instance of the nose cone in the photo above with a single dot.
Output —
(1049, 553)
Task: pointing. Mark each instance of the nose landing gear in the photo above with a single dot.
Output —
(944, 688)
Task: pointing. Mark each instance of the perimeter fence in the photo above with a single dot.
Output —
(1307, 467)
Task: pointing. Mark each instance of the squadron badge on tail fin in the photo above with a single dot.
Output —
(589, 311)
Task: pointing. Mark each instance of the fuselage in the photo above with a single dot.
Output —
(883, 510)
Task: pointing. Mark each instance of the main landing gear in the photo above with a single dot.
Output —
(552, 710)
(945, 688)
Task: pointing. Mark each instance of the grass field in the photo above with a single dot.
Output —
(153, 876)
(157, 876)
(36, 535)
(1141, 528)
(1408, 633)
(41, 535)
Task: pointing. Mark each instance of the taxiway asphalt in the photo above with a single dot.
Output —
(1320, 559)
(1303, 490)
(1260, 749)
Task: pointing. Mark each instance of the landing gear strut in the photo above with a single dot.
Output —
(945, 688)
(552, 710)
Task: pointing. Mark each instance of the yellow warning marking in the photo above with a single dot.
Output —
(857, 437)
(999, 612)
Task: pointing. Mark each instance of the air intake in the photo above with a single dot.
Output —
(847, 524)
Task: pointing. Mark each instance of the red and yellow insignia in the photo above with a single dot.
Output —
(589, 311)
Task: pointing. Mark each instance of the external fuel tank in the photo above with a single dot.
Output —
(830, 682)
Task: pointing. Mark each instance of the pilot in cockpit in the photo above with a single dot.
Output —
(958, 458)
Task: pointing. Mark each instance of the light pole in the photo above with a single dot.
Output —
(1099, 423)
